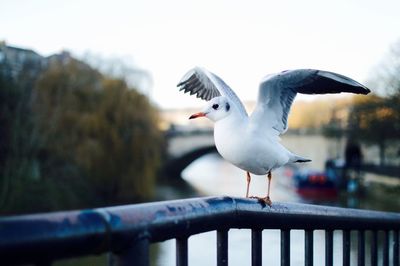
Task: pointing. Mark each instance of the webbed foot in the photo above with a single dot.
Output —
(264, 200)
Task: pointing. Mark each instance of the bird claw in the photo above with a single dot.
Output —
(265, 200)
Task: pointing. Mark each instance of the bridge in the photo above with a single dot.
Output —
(185, 147)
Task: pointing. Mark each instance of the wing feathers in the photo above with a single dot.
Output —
(206, 85)
(277, 93)
(197, 82)
(329, 82)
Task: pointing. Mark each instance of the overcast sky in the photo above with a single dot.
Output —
(241, 41)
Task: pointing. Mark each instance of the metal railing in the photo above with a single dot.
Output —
(128, 231)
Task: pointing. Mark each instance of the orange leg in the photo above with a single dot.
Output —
(266, 199)
(248, 184)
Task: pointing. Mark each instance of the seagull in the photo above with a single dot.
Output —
(252, 143)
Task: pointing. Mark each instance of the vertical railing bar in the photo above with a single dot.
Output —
(374, 248)
(309, 247)
(137, 254)
(395, 248)
(285, 247)
(182, 251)
(44, 263)
(361, 248)
(328, 247)
(222, 247)
(346, 247)
(110, 259)
(386, 248)
(256, 247)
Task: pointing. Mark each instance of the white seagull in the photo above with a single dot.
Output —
(252, 142)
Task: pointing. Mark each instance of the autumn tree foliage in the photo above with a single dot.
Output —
(96, 142)
(375, 119)
(18, 130)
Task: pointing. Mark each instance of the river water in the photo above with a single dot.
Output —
(210, 175)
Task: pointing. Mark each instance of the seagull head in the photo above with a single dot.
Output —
(216, 109)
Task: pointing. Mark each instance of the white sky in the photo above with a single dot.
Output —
(241, 41)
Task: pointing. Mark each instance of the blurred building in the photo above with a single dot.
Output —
(15, 60)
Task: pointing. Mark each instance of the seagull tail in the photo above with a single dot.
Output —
(297, 159)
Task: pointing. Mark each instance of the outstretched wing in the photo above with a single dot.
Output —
(206, 85)
(277, 92)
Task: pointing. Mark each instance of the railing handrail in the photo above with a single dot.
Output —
(58, 235)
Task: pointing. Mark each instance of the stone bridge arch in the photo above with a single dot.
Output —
(183, 149)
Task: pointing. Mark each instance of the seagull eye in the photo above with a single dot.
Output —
(215, 106)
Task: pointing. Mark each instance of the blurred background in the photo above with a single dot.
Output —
(90, 115)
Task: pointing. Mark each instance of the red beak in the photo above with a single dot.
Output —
(201, 114)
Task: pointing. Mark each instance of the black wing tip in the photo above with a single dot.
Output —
(361, 89)
(302, 161)
(352, 85)
(366, 91)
